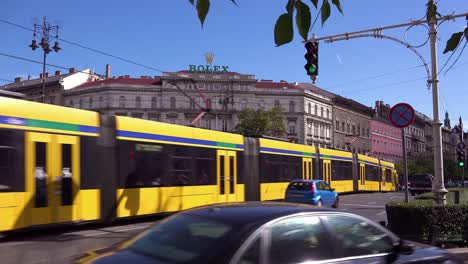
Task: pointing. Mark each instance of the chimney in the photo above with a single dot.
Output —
(58, 73)
(126, 76)
(29, 77)
(40, 76)
(72, 70)
(18, 79)
(108, 67)
(47, 75)
(283, 81)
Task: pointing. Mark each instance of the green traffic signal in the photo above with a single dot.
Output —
(311, 68)
(461, 164)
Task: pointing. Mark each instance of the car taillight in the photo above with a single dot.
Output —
(313, 188)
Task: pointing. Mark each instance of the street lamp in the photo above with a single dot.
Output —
(45, 30)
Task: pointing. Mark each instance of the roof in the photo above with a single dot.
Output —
(33, 82)
(275, 85)
(228, 73)
(140, 81)
(249, 212)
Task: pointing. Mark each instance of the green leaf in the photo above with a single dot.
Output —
(192, 1)
(303, 18)
(290, 6)
(315, 2)
(202, 7)
(325, 11)
(283, 30)
(338, 5)
(453, 42)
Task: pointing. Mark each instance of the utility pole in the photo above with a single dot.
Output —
(438, 186)
(45, 30)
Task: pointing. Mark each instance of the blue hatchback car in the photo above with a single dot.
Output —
(316, 192)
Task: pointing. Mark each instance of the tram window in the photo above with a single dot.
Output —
(11, 161)
(40, 175)
(341, 170)
(372, 173)
(388, 175)
(6, 173)
(66, 188)
(221, 174)
(231, 174)
(240, 166)
(181, 172)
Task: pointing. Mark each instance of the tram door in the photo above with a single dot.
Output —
(327, 171)
(307, 168)
(226, 172)
(52, 171)
(362, 176)
(383, 178)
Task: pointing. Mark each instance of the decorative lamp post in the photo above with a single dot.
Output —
(45, 31)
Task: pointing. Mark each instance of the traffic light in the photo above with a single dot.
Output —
(461, 158)
(312, 58)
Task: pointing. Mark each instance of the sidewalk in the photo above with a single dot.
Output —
(461, 252)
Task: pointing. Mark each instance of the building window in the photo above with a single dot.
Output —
(81, 103)
(363, 132)
(316, 110)
(101, 102)
(322, 131)
(277, 103)
(292, 127)
(337, 125)
(153, 102)
(348, 128)
(367, 132)
(316, 132)
(309, 128)
(173, 102)
(359, 129)
(354, 129)
(328, 113)
(172, 121)
(342, 126)
(310, 108)
(90, 102)
(291, 107)
(224, 124)
(243, 104)
(261, 105)
(71, 103)
(122, 102)
(138, 102)
(321, 111)
(328, 132)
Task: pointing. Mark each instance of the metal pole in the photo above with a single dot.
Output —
(43, 77)
(405, 163)
(438, 187)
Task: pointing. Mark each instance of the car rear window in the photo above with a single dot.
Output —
(183, 239)
(300, 186)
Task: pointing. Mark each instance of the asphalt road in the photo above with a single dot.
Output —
(58, 246)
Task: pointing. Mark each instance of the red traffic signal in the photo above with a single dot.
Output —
(312, 58)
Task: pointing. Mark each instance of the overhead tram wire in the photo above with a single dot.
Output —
(39, 62)
(374, 77)
(88, 48)
(386, 85)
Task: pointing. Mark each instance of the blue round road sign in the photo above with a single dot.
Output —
(401, 115)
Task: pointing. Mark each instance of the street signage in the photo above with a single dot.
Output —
(461, 146)
(402, 115)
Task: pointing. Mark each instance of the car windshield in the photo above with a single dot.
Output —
(300, 186)
(420, 178)
(182, 239)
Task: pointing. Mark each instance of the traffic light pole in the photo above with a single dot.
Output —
(438, 186)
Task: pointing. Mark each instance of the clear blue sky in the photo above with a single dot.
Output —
(167, 35)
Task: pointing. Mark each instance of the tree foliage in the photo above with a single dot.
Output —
(284, 29)
(253, 123)
(425, 164)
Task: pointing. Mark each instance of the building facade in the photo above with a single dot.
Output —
(55, 85)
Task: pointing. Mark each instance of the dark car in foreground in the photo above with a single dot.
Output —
(316, 192)
(266, 233)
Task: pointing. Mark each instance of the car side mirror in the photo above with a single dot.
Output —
(401, 248)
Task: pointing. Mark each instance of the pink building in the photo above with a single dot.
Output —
(386, 141)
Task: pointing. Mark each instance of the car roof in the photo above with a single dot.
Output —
(249, 212)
